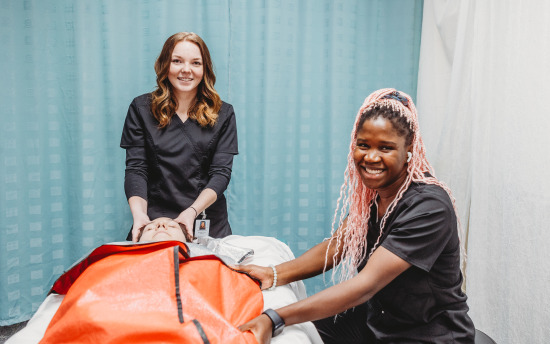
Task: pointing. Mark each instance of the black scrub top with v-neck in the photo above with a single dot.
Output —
(170, 167)
(424, 304)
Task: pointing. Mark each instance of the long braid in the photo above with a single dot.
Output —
(357, 199)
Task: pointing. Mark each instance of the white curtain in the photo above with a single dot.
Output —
(484, 100)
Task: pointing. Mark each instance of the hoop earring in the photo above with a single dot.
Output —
(409, 154)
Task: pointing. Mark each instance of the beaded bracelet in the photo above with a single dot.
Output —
(274, 278)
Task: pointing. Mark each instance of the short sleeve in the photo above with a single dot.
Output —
(132, 133)
(422, 229)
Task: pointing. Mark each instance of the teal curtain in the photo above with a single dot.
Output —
(295, 71)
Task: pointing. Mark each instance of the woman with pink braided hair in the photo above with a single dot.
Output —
(397, 226)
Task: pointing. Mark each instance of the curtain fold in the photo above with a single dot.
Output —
(482, 89)
(295, 71)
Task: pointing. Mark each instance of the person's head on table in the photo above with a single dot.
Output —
(163, 228)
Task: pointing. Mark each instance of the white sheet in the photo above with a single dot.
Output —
(267, 251)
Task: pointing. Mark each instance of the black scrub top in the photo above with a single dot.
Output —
(424, 304)
(170, 167)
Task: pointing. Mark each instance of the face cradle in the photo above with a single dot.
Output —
(162, 228)
(186, 68)
(380, 156)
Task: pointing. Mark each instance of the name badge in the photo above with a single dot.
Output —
(202, 228)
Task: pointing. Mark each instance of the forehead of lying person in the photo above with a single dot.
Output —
(162, 228)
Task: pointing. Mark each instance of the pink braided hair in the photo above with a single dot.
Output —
(358, 199)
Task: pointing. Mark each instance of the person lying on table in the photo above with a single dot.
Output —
(155, 291)
(400, 233)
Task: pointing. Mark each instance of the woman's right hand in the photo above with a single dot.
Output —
(138, 207)
(262, 273)
(139, 222)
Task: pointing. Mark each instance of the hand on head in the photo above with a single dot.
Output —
(163, 228)
(186, 220)
(139, 223)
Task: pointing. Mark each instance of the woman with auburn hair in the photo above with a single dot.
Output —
(180, 141)
(398, 228)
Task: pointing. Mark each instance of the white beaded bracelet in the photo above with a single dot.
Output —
(274, 278)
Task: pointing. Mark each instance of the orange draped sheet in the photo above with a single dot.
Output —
(153, 294)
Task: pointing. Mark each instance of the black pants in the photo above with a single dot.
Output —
(350, 327)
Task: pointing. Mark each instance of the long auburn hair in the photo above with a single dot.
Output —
(163, 101)
(356, 199)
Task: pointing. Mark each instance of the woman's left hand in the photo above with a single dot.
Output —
(262, 273)
(261, 327)
(186, 219)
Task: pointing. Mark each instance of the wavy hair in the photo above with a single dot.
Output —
(356, 199)
(163, 101)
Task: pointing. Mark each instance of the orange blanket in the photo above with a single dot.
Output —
(153, 293)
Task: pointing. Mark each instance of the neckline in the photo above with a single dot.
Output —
(178, 116)
(377, 207)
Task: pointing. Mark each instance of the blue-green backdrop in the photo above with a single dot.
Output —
(295, 71)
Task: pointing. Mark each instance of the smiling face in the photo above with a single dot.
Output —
(380, 156)
(162, 228)
(186, 68)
